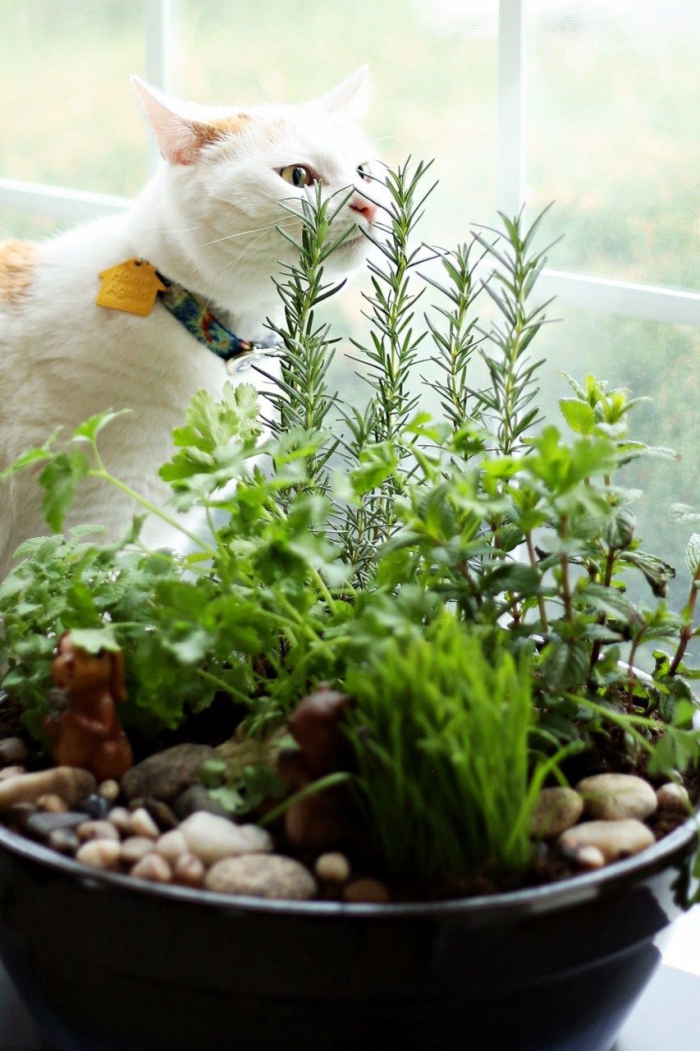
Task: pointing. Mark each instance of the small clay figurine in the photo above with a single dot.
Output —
(325, 819)
(88, 733)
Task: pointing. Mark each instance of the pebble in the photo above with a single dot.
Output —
(166, 774)
(64, 840)
(332, 867)
(194, 799)
(614, 839)
(135, 848)
(100, 854)
(44, 824)
(590, 858)
(614, 797)
(69, 782)
(154, 868)
(172, 845)
(121, 819)
(142, 824)
(96, 806)
(53, 804)
(262, 876)
(109, 790)
(11, 771)
(556, 810)
(97, 830)
(211, 838)
(673, 797)
(371, 891)
(13, 751)
(189, 871)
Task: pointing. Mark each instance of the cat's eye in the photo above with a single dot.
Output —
(298, 175)
(364, 171)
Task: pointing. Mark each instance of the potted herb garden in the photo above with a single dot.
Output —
(387, 769)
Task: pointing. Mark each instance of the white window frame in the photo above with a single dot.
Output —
(649, 302)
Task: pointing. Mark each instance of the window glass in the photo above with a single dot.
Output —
(69, 113)
(27, 225)
(656, 361)
(433, 61)
(613, 134)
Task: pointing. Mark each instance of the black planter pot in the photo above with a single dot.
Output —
(106, 963)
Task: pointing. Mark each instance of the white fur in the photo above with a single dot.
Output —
(207, 221)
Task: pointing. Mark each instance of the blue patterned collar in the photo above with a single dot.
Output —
(193, 312)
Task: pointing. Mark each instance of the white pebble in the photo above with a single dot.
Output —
(135, 848)
(172, 845)
(97, 830)
(11, 771)
(333, 867)
(189, 871)
(616, 797)
(142, 824)
(100, 853)
(152, 867)
(673, 797)
(52, 804)
(109, 790)
(590, 858)
(211, 838)
(120, 817)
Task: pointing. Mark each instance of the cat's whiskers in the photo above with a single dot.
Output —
(284, 223)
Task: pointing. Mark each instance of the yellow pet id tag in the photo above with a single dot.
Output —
(131, 286)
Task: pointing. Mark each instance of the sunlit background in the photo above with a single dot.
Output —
(611, 117)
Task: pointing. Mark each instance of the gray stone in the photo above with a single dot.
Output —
(43, 825)
(556, 810)
(262, 876)
(68, 782)
(13, 752)
(166, 774)
(194, 799)
(211, 838)
(614, 797)
(614, 839)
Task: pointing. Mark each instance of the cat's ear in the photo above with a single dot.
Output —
(179, 138)
(351, 97)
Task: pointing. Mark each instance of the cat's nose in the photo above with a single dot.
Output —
(364, 207)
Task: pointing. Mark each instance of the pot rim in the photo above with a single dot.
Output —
(549, 897)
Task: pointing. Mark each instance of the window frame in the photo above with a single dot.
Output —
(647, 302)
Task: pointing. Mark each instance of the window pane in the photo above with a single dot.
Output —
(27, 225)
(653, 360)
(613, 135)
(433, 61)
(70, 115)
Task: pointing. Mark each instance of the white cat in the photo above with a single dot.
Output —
(206, 222)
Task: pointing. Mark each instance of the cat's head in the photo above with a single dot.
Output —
(232, 174)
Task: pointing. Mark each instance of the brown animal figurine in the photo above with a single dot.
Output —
(88, 733)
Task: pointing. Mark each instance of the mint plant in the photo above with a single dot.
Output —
(463, 577)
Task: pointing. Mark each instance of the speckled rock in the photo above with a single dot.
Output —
(673, 797)
(68, 782)
(614, 839)
(262, 876)
(211, 838)
(556, 810)
(166, 774)
(614, 797)
(13, 751)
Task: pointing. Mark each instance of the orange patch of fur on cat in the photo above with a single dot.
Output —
(18, 261)
(218, 129)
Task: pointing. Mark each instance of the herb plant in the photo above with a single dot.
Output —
(463, 577)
